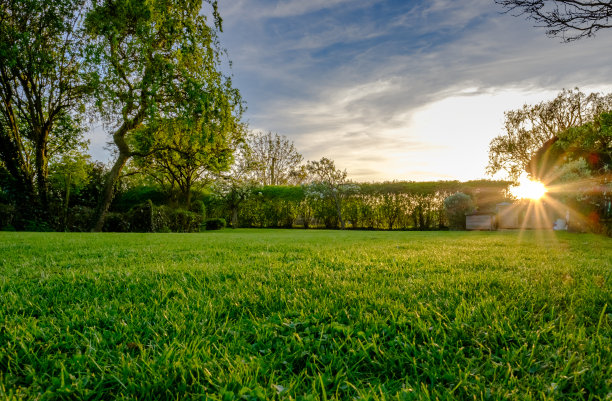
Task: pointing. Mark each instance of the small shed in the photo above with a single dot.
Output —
(507, 216)
(480, 221)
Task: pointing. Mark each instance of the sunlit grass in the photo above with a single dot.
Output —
(277, 314)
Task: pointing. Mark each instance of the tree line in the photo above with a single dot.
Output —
(151, 72)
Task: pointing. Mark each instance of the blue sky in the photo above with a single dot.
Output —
(406, 90)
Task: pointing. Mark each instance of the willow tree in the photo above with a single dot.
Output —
(42, 85)
(157, 60)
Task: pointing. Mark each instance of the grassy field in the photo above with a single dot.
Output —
(312, 315)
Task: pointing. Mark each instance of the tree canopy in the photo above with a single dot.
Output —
(42, 85)
(158, 60)
(530, 127)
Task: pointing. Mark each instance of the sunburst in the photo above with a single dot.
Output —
(528, 189)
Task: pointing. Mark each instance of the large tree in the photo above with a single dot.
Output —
(568, 19)
(42, 83)
(158, 60)
(532, 126)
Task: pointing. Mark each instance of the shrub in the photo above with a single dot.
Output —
(214, 224)
(36, 225)
(7, 213)
(457, 205)
(79, 218)
(137, 196)
(197, 207)
(116, 222)
(140, 217)
(178, 220)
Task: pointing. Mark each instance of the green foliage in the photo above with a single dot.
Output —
(198, 207)
(37, 226)
(79, 218)
(134, 196)
(457, 205)
(280, 314)
(43, 84)
(7, 214)
(180, 220)
(529, 128)
(214, 224)
(591, 142)
(116, 223)
(389, 205)
(161, 84)
(272, 159)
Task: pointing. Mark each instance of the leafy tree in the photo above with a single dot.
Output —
(568, 19)
(332, 183)
(457, 205)
(42, 84)
(591, 142)
(69, 174)
(179, 155)
(158, 60)
(273, 159)
(530, 127)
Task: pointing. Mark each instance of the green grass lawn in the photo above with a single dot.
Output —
(313, 315)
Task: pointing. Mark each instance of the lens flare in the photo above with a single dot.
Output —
(528, 189)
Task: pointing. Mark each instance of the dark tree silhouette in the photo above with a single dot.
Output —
(568, 19)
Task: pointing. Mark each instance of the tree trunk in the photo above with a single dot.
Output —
(124, 155)
(235, 217)
(66, 202)
(187, 195)
(108, 193)
(339, 211)
(42, 172)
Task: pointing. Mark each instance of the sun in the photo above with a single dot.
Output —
(528, 189)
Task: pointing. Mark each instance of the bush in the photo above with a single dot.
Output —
(197, 207)
(7, 213)
(457, 205)
(138, 196)
(116, 222)
(38, 226)
(79, 218)
(214, 224)
(177, 220)
(140, 217)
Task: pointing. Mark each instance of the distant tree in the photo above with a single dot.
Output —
(457, 205)
(69, 174)
(42, 84)
(568, 19)
(330, 182)
(236, 186)
(530, 127)
(158, 60)
(273, 158)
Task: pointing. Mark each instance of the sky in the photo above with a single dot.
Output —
(396, 90)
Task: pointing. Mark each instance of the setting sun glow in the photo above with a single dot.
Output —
(528, 189)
